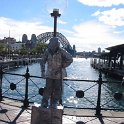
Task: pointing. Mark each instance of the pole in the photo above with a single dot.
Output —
(26, 102)
(1, 76)
(55, 15)
(98, 107)
(55, 26)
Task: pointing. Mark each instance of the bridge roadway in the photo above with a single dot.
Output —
(11, 112)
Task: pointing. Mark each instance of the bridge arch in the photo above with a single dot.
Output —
(48, 35)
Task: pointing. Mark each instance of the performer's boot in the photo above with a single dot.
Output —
(54, 104)
(44, 103)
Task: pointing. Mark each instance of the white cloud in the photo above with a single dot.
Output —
(18, 28)
(61, 22)
(91, 35)
(102, 3)
(65, 31)
(113, 17)
(86, 36)
(61, 4)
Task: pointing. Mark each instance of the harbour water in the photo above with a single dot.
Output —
(79, 69)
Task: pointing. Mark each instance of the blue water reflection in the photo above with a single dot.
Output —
(79, 69)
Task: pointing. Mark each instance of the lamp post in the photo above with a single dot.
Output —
(55, 14)
(8, 51)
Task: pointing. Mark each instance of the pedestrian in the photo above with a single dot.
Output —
(56, 60)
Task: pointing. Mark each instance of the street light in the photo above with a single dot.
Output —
(8, 51)
(54, 7)
(55, 14)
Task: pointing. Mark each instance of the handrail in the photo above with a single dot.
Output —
(79, 93)
(65, 79)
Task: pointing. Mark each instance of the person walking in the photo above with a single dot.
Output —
(56, 60)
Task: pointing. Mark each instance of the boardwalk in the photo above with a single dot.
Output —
(13, 113)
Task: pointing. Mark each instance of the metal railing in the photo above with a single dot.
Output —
(26, 98)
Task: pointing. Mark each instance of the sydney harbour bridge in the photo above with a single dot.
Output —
(63, 41)
(44, 37)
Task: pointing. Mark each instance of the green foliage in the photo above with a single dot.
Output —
(40, 47)
(23, 51)
(2, 48)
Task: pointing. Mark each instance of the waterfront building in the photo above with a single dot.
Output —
(112, 63)
(16, 46)
(7, 40)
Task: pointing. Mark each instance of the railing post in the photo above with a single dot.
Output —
(98, 107)
(26, 102)
(1, 76)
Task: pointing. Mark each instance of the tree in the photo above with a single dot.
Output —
(23, 51)
(40, 47)
(2, 49)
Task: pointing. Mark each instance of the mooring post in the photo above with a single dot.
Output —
(26, 101)
(1, 76)
(98, 107)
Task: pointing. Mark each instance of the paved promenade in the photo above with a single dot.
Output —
(13, 113)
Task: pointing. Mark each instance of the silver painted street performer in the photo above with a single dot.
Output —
(57, 60)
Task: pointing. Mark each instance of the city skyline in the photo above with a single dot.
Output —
(85, 23)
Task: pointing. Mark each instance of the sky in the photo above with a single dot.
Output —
(87, 24)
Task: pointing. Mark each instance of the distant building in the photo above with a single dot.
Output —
(103, 51)
(33, 39)
(99, 50)
(74, 50)
(29, 43)
(16, 46)
(8, 40)
(24, 38)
